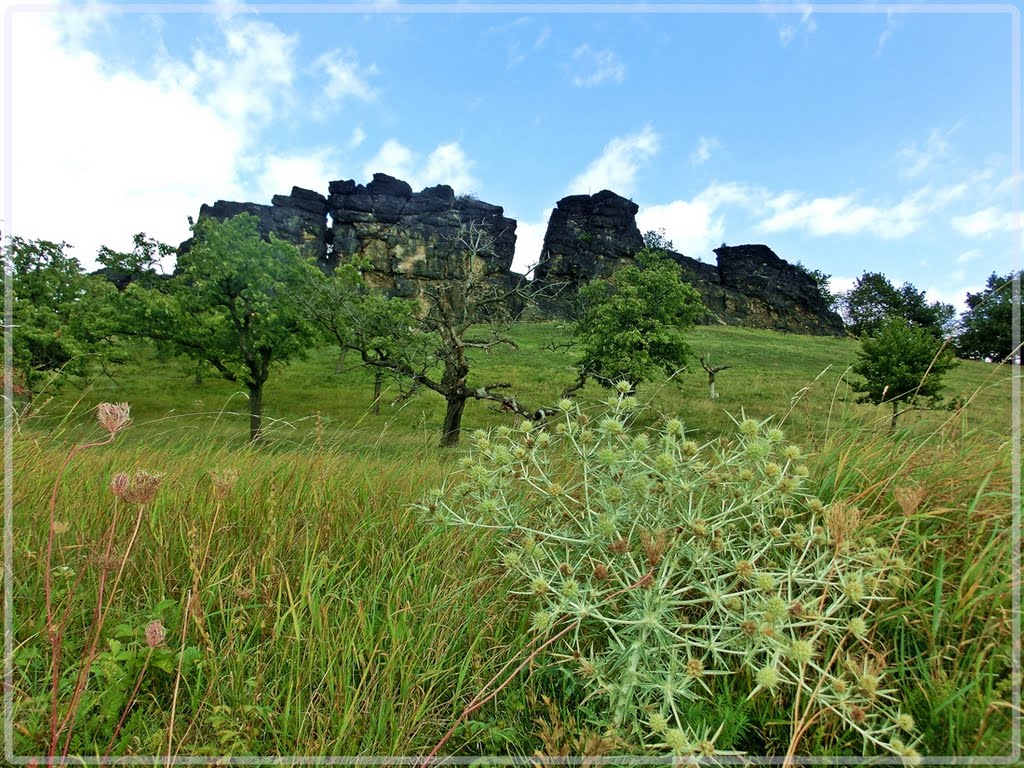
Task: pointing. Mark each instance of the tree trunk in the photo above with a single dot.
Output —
(255, 412)
(895, 413)
(452, 422)
(378, 379)
(711, 387)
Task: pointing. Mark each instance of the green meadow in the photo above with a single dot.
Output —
(310, 609)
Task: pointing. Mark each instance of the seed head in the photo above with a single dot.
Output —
(540, 586)
(775, 435)
(138, 488)
(695, 667)
(674, 427)
(658, 723)
(113, 417)
(623, 387)
(155, 634)
(858, 714)
(792, 452)
(905, 722)
(801, 651)
(542, 621)
(224, 480)
(767, 677)
(749, 428)
(676, 740)
(744, 569)
(858, 627)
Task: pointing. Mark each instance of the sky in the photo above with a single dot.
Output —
(876, 139)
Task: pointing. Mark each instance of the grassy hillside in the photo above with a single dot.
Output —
(309, 609)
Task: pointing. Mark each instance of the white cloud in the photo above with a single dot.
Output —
(890, 27)
(345, 78)
(529, 242)
(842, 215)
(702, 152)
(915, 159)
(446, 164)
(357, 138)
(154, 150)
(696, 227)
(788, 32)
(308, 169)
(591, 67)
(618, 164)
(985, 222)
(968, 256)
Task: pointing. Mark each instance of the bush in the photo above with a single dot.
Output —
(712, 600)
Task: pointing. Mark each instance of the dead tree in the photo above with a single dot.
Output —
(705, 362)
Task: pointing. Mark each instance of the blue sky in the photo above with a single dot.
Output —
(857, 141)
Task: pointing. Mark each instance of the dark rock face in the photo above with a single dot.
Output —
(589, 237)
(407, 237)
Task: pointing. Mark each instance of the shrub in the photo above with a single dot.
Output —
(692, 575)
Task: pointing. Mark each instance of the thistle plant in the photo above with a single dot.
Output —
(747, 581)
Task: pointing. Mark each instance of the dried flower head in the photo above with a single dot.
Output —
(223, 480)
(113, 417)
(155, 634)
(138, 488)
(909, 499)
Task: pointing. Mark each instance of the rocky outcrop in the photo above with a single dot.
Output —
(407, 238)
(590, 236)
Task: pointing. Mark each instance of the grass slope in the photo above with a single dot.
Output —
(310, 611)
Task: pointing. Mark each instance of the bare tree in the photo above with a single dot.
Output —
(705, 362)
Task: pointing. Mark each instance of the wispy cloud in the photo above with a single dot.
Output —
(985, 222)
(916, 158)
(618, 164)
(590, 67)
(806, 24)
(345, 77)
(702, 152)
(890, 27)
(843, 215)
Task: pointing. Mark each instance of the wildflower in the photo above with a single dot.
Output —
(138, 488)
(695, 668)
(623, 387)
(664, 463)
(910, 755)
(690, 448)
(113, 417)
(658, 723)
(675, 739)
(565, 405)
(570, 588)
(775, 435)
(905, 722)
(612, 426)
(641, 443)
(155, 634)
(542, 621)
(749, 428)
(224, 480)
(772, 470)
(511, 559)
(792, 452)
(601, 572)
(858, 627)
(767, 677)
(858, 714)
(765, 582)
(853, 588)
(801, 651)
(540, 585)
(543, 439)
(674, 427)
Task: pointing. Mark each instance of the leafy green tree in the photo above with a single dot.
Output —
(873, 298)
(377, 327)
(232, 304)
(822, 280)
(140, 266)
(632, 326)
(64, 320)
(433, 349)
(901, 364)
(988, 322)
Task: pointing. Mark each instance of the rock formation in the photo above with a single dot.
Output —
(590, 236)
(407, 239)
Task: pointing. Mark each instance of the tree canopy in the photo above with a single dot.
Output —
(988, 322)
(64, 320)
(632, 326)
(901, 363)
(232, 304)
(873, 299)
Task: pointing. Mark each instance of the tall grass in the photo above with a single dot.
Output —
(308, 610)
